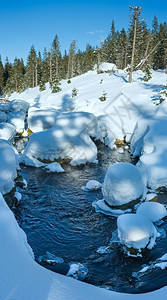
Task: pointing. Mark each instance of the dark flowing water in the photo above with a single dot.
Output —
(57, 216)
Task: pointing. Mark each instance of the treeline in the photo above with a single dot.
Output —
(147, 46)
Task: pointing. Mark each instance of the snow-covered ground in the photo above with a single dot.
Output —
(64, 126)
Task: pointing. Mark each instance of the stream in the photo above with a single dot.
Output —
(57, 216)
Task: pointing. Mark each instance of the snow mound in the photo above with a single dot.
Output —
(135, 231)
(3, 117)
(17, 119)
(8, 167)
(154, 211)
(122, 184)
(150, 141)
(69, 138)
(54, 167)
(106, 67)
(92, 185)
(30, 161)
(17, 105)
(39, 120)
(7, 131)
(151, 197)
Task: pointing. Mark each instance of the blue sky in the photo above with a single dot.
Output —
(24, 23)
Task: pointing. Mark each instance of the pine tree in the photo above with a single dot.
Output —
(1, 76)
(32, 69)
(55, 84)
(148, 75)
(135, 28)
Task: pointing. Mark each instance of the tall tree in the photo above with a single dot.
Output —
(32, 68)
(135, 12)
(1, 76)
(71, 59)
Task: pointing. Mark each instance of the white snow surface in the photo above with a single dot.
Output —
(136, 231)
(54, 167)
(3, 117)
(126, 105)
(92, 185)
(8, 166)
(154, 211)
(68, 138)
(17, 119)
(41, 119)
(122, 184)
(7, 131)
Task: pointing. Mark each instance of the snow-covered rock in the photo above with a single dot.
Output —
(122, 184)
(39, 120)
(50, 258)
(3, 117)
(18, 196)
(92, 185)
(16, 105)
(151, 197)
(136, 231)
(54, 167)
(77, 271)
(8, 167)
(102, 207)
(30, 161)
(7, 131)
(17, 119)
(150, 141)
(68, 138)
(154, 211)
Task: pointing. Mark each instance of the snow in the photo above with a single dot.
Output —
(154, 211)
(77, 271)
(30, 161)
(69, 138)
(54, 167)
(8, 167)
(92, 185)
(136, 231)
(122, 184)
(101, 206)
(129, 112)
(106, 67)
(151, 196)
(50, 258)
(3, 117)
(16, 105)
(17, 119)
(40, 119)
(18, 196)
(7, 131)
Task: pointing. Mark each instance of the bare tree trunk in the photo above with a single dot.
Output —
(146, 58)
(98, 62)
(133, 49)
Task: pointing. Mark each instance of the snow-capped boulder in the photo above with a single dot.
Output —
(92, 185)
(39, 120)
(154, 211)
(17, 119)
(136, 231)
(54, 167)
(7, 131)
(122, 184)
(150, 141)
(69, 138)
(17, 105)
(3, 117)
(8, 167)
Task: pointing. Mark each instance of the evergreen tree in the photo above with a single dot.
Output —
(1, 76)
(32, 69)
